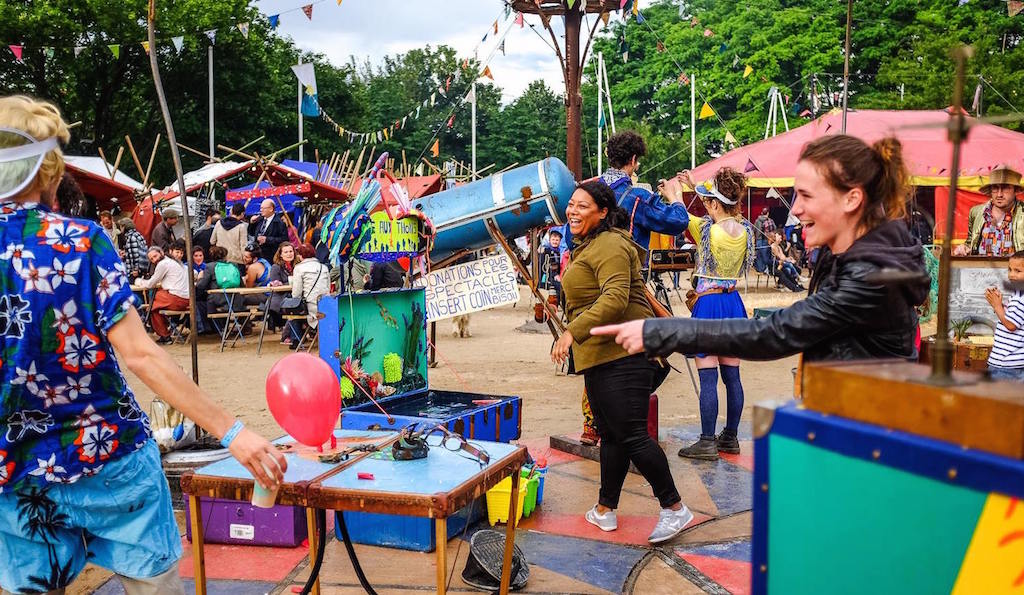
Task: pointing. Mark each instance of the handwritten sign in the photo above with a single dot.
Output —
(471, 287)
(390, 239)
(969, 278)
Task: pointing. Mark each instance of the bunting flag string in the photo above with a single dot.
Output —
(706, 111)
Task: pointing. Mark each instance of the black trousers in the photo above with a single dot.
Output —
(619, 393)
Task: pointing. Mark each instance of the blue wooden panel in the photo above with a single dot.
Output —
(329, 336)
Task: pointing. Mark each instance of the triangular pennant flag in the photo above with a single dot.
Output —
(78, 49)
(683, 79)
(471, 96)
(661, 46)
(604, 17)
(636, 11)
(178, 42)
(116, 50)
(386, 134)
(625, 55)
(244, 28)
(48, 52)
(729, 138)
(495, 26)
(451, 121)
(417, 111)
(436, 149)
(339, 2)
(487, 73)
(747, 71)
(805, 113)
(622, 4)
(600, 121)
(772, 193)
(403, 121)
(1013, 7)
(17, 51)
(448, 83)
(571, 3)
(735, 60)
(433, 96)
(519, 19)
(502, 47)
(706, 111)
(308, 9)
(274, 20)
(694, 22)
(419, 169)
(708, 33)
(749, 167)
(212, 34)
(485, 37)
(722, 48)
(145, 46)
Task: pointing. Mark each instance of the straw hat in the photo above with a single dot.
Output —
(1002, 175)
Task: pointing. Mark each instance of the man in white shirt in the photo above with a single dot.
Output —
(172, 295)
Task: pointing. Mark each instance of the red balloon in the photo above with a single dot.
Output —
(304, 397)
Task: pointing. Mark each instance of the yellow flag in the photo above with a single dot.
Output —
(339, 2)
(636, 9)
(729, 138)
(604, 17)
(385, 134)
(436, 149)
(747, 71)
(145, 46)
(706, 111)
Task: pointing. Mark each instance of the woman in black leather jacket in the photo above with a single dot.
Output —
(850, 199)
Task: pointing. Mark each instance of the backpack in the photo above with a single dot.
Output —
(227, 275)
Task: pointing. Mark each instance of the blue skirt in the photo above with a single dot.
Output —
(716, 306)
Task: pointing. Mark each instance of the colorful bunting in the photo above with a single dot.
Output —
(339, 2)
(604, 17)
(519, 20)
(502, 47)
(683, 79)
(145, 46)
(708, 33)
(116, 50)
(274, 21)
(308, 10)
(747, 71)
(805, 113)
(244, 28)
(706, 111)
(451, 121)
(487, 73)
(495, 26)
(639, 16)
(722, 48)
(661, 46)
(729, 138)
(1013, 7)
(178, 42)
(17, 51)
(212, 34)
(436, 149)
(749, 167)
(78, 49)
(735, 60)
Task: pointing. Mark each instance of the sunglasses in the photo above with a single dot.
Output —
(441, 436)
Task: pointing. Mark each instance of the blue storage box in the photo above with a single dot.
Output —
(368, 327)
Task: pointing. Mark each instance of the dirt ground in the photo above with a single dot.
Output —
(497, 359)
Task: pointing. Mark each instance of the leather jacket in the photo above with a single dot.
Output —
(846, 317)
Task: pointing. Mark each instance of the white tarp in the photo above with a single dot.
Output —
(94, 165)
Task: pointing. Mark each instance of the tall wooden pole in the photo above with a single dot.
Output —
(574, 101)
(846, 60)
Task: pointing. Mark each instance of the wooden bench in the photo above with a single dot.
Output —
(235, 321)
(311, 333)
(180, 322)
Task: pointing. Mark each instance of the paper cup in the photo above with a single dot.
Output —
(261, 497)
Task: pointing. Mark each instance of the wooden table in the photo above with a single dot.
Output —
(435, 487)
(243, 291)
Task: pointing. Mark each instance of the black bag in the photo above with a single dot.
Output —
(292, 303)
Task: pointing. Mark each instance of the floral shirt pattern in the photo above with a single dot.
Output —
(996, 236)
(65, 408)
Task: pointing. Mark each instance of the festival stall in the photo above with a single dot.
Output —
(106, 188)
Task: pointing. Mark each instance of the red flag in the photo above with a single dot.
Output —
(519, 19)
(451, 121)
(17, 51)
(750, 166)
(308, 9)
(683, 79)
(487, 73)
(447, 83)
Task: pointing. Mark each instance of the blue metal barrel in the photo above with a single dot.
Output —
(519, 199)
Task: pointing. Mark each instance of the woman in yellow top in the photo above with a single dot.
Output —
(602, 285)
(725, 250)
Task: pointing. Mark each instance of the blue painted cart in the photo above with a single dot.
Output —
(433, 488)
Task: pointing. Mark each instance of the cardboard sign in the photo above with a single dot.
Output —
(969, 278)
(471, 287)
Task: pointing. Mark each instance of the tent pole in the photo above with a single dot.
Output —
(299, 112)
(846, 60)
(209, 70)
(693, 121)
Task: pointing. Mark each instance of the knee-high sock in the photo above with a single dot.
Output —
(708, 400)
(733, 397)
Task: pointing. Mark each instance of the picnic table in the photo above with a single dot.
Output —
(232, 317)
(434, 487)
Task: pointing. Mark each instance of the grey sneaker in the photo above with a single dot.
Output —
(604, 522)
(705, 449)
(670, 523)
(728, 444)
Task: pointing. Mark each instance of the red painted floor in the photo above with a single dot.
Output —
(633, 529)
(541, 448)
(742, 460)
(732, 575)
(243, 562)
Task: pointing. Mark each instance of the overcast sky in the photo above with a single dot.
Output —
(372, 29)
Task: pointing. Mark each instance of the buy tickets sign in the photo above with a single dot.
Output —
(471, 287)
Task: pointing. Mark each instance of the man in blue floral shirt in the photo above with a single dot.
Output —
(80, 477)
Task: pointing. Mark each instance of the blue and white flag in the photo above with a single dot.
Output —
(306, 76)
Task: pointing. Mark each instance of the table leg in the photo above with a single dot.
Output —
(263, 328)
(198, 562)
(441, 530)
(510, 535)
(313, 537)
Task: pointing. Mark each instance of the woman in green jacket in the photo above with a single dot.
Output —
(602, 285)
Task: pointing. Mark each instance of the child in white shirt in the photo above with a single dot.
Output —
(1007, 358)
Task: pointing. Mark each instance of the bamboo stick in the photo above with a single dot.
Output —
(117, 160)
(105, 164)
(197, 152)
(135, 156)
(152, 157)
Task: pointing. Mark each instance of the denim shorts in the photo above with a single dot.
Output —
(998, 373)
(120, 519)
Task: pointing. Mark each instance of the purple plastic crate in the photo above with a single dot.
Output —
(241, 523)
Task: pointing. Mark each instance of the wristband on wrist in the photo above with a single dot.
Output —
(231, 433)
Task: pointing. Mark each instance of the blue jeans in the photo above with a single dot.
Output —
(1015, 374)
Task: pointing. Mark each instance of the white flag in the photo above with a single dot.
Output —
(78, 49)
(244, 28)
(178, 42)
(212, 34)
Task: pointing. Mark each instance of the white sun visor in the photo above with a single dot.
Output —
(21, 156)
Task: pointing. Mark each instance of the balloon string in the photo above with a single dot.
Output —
(372, 400)
(450, 366)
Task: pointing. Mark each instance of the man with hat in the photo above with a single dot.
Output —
(996, 228)
(163, 233)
